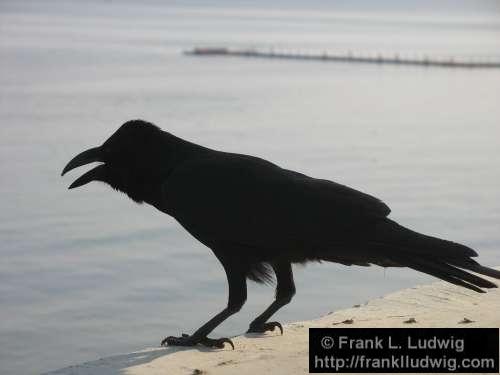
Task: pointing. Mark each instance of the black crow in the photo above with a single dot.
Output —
(259, 218)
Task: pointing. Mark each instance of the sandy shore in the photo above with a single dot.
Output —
(436, 305)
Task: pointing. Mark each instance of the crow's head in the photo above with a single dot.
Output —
(129, 159)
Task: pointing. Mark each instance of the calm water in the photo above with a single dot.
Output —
(87, 273)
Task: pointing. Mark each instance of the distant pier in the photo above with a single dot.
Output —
(349, 57)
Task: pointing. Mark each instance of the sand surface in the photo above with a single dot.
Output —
(436, 305)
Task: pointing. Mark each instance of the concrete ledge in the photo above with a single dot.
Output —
(436, 305)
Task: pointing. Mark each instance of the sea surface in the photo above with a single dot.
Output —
(88, 273)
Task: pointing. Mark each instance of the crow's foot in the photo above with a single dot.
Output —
(186, 340)
(264, 327)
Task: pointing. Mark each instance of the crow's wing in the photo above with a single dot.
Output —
(258, 211)
(252, 202)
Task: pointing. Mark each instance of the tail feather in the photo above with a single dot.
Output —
(440, 258)
(388, 231)
(478, 268)
(442, 275)
(471, 278)
(447, 272)
(389, 244)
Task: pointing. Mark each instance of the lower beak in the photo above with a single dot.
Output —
(86, 157)
(95, 174)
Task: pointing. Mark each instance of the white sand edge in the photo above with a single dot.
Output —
(435, 305)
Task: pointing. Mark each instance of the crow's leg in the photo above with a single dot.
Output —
(237, 296)
(285, 290)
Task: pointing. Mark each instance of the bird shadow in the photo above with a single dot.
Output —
(119, 364)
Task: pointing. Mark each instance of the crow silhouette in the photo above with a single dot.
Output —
(258, 218)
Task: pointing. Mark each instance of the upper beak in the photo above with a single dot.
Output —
(90, 156)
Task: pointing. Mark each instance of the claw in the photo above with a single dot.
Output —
(269, 326)
(186, 340)
(226, 340)
(216, 343)
(278, 325)
(164, 341)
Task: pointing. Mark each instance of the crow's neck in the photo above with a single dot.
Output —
(146, 183)
(177, 150)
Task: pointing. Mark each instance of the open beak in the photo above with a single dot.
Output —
(86, 157)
